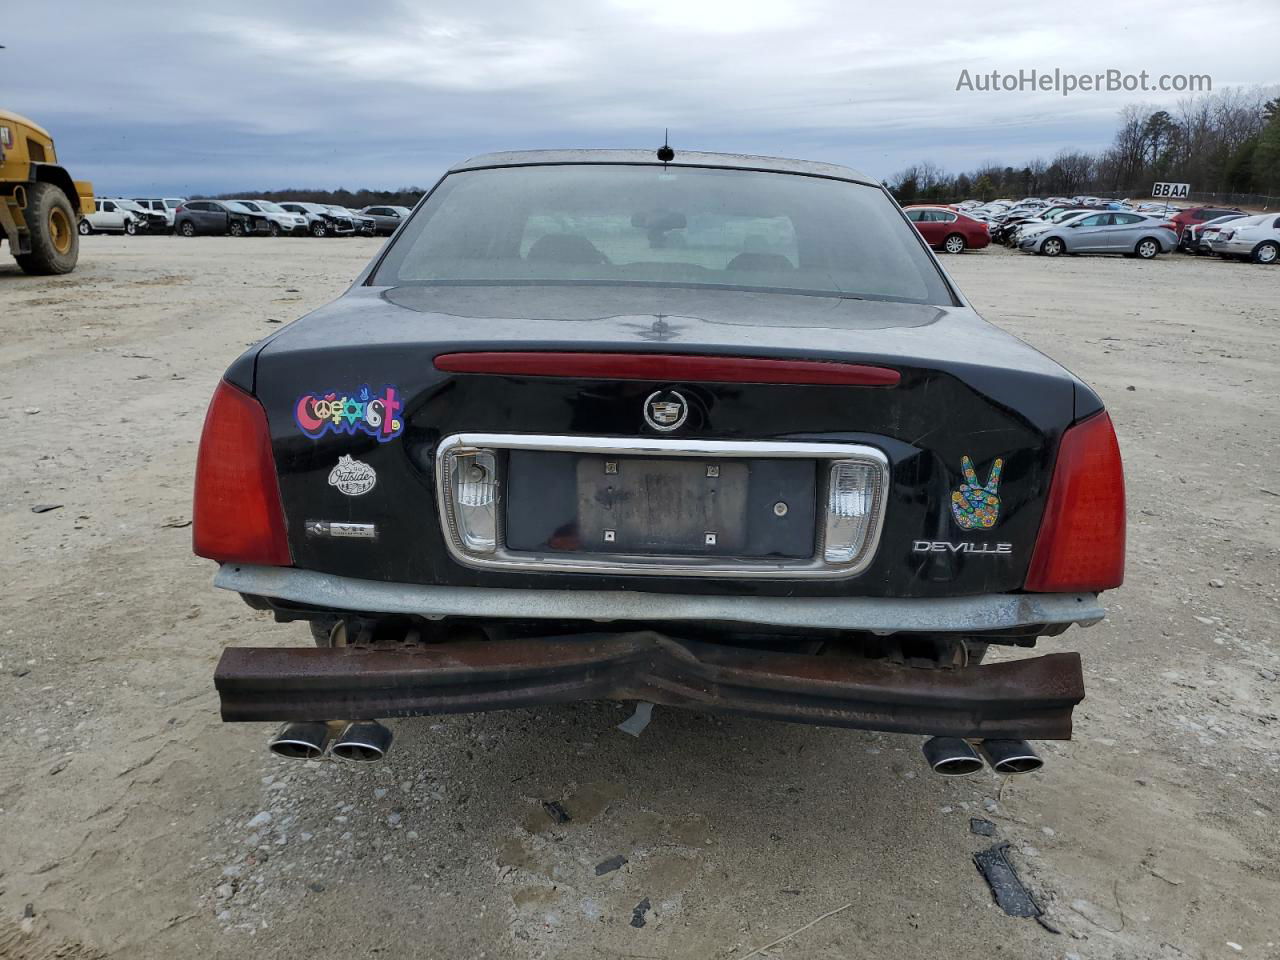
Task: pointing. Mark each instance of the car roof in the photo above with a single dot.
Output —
(683, 158)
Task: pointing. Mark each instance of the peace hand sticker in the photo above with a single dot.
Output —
(977, 505)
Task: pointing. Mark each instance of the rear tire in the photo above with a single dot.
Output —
(1147, 248)
(954, 243)
(1266, 252)
(55, 240)
(318, 230)
(1052, 247)
(85, 227)
(187, 229)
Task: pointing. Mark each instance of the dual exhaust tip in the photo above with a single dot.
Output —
(367, 741)
(954, 757)
(363, 741)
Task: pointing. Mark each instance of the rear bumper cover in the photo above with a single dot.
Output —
(1031, 698)
(882, 615)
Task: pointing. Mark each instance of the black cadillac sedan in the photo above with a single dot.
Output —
(699, 430)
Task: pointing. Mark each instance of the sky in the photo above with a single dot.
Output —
(152, 98)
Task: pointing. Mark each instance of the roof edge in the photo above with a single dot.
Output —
(683, 158)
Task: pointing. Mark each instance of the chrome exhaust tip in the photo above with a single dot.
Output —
(1011, 756)
(300, 741)
(364, 741)
(951, 757)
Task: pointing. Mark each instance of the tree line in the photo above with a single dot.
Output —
(1222, 143)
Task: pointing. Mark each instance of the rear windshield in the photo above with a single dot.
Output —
(656, 226)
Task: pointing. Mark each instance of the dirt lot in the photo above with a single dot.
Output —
(133, 823)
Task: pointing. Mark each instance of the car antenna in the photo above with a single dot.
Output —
(665, 153)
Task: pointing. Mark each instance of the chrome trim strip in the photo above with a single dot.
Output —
(664, 447)
(633, 565)
(993, 611)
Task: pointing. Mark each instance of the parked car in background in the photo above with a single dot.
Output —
(219, 218)
(1052, 216)
(149, 221)
(949, 230)
(1194, 237)
(1130, 234)
(1007, 230)
(1185, 218)
(279, 220)
(110, 216)
(163, 205)
(1250, 238)
(321, 221)
(386, 219)
(362, 225)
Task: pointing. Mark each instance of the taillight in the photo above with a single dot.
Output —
(1081, 542)
(237, 515)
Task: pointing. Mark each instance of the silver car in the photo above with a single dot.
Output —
(1254, 238)
(386, 219)
(1105, 231)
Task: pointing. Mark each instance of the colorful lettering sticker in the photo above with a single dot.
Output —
(977, 505)
(349, 413)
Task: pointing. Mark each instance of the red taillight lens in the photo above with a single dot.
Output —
(1081, 541)
(237, 516)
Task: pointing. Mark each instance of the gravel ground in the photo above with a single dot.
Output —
(135, 824)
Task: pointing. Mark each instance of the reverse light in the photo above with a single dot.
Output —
(237, 517)
(471, 493)
(853, 491)
(1080, 546)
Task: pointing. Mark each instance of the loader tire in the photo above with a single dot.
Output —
(55, 240)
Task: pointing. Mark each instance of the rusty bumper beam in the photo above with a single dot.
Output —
(1030, 698)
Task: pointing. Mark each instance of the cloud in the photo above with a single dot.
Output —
(154, 96)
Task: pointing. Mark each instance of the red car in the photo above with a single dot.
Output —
(945, 229)
(1196, 215)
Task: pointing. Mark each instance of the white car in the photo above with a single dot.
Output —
(109, 216)
(320, 221)
(1250, 238)
(162, 205)
(280, 219)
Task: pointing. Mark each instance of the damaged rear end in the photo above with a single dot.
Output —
(741, 497)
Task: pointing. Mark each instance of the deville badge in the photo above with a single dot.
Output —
(977, 505)
(352, 477)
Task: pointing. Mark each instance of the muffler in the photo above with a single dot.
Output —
(362, 742)
(300, 741)
(1011, 756)
(951, 756)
